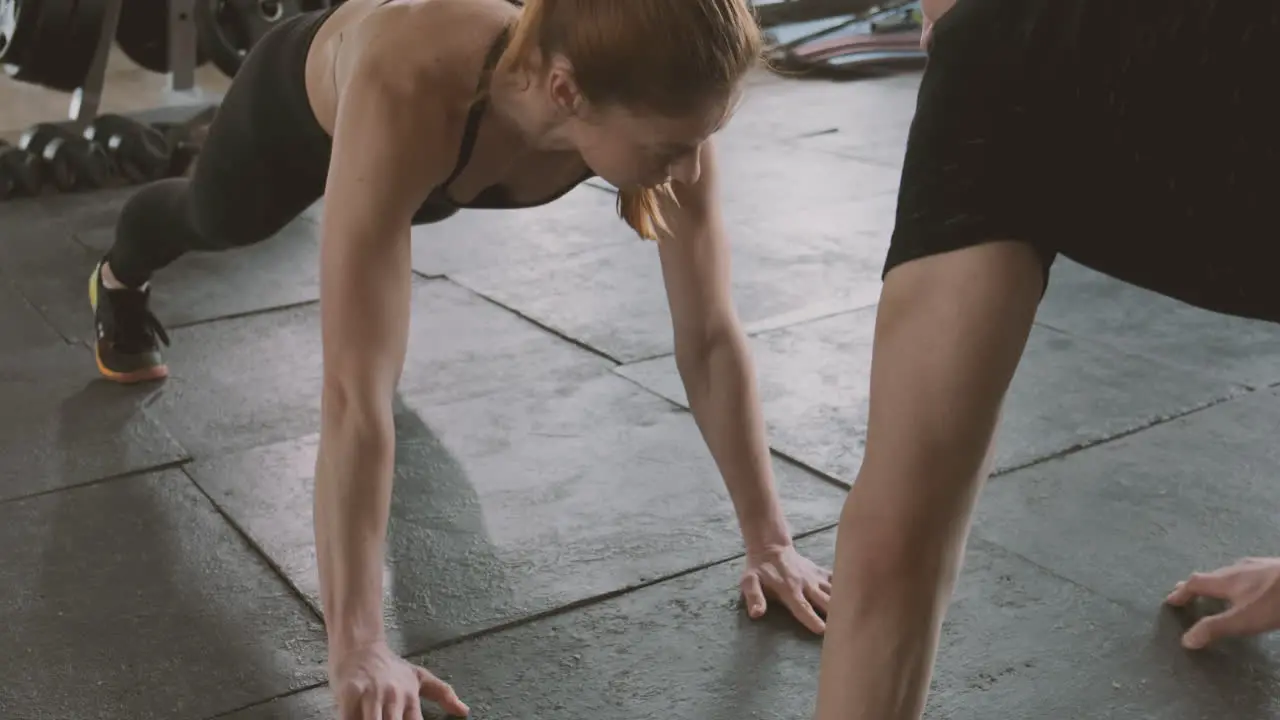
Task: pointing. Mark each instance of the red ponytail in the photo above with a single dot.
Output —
(642, 210)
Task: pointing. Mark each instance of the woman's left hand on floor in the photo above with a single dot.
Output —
(786, 576)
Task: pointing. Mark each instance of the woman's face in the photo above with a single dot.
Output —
(633, 149)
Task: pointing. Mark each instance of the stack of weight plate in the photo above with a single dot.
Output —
(114, 151)
(51, 43)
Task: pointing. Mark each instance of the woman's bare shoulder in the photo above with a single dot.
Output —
(439, 42)
(406, 77)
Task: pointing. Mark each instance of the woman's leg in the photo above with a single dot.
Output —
(264, 162)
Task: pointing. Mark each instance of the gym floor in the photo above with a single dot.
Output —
(562, 546)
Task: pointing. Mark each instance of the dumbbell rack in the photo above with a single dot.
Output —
(86, 101)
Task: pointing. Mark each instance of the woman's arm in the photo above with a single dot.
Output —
(389, 126)
(950, 331)
(712, 355)
(715, 366)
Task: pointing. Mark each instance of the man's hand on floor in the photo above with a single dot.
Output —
(1251, 589)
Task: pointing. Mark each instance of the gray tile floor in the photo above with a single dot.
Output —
(561, 546)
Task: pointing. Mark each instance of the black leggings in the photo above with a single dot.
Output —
(265, 161)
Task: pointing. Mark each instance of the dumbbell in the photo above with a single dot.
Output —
(138, 152)
(20, 172)
(70, 161)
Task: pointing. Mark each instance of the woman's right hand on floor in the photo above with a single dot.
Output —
(374, 683)
(1251, 589)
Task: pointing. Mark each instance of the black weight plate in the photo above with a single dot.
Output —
(21, 171)
(62, 49)
(229, 29)
(51, 21)
(85, 32)
(18, 22)
(143, 35)
(24, 170)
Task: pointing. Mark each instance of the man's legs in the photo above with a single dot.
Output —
(1144, 163)
(966, 269)
(950, 331)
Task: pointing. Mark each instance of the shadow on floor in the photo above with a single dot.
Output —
(446, 575)
(136, 592)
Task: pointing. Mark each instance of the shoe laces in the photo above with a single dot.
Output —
(136, 327)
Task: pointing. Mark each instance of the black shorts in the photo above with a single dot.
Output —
(1140, 139)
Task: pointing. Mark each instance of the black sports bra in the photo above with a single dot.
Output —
(494, 197)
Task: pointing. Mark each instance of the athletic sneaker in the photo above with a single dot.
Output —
(126, 344)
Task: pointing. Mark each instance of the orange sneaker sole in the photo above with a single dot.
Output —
(159, 372)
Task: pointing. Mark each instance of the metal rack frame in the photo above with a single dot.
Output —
(86, 101)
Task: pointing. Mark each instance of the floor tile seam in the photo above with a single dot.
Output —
(787, 457)
(456, 274)
(1148, 425)
(798, 140)
(826, 477)
(201, 456)
(421, 276)
(1122, 603)
(286, 307)
(267, 701)
(110, 478)
(1158, 360)
(765, 329)
(849, 155)
(599, 598)
(778, 322)
(761, 332)
(833, 130)
(532, 321)
(246, 314)
(255, 547)
(44, 318)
